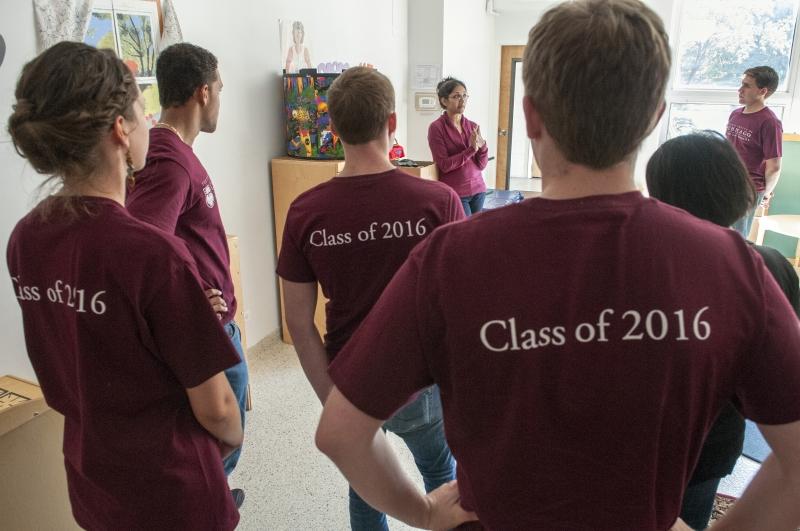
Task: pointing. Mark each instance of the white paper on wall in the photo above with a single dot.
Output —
(426, 77)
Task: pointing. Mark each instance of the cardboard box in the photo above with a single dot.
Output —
(34, 494)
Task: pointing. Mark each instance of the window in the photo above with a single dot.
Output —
(130, 28)
(715, 42)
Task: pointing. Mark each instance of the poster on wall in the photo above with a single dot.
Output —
(295, 46)
(426, 77)
(131, 29)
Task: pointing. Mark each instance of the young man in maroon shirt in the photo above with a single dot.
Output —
(611, 331)
(757, 135)
(175, 193)
(350, 235)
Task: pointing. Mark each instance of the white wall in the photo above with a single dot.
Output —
(250, 133)
(19, 181)
(458, 35)
(425, 20)
(469, 51)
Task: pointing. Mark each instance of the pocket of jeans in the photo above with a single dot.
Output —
(412, 416)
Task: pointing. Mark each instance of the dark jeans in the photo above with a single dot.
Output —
(238, 378)
(698, 502)
(473, 204)
(421, 427)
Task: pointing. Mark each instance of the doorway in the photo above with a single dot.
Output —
(516, 167)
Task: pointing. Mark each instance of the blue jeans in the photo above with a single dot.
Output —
(473, 203)
(742, 226)
(698, 502)
(238, 378)
(420, 426)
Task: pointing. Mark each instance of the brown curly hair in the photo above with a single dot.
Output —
(68, 98)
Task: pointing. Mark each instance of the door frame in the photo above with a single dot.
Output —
(508, 54)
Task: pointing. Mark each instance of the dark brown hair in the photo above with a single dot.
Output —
(765, 77)
(446, 87)
(359, 103)
(596, 71)
(180, 70)
(68, 99)
(702, 174)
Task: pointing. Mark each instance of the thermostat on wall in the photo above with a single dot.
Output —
(425, 101)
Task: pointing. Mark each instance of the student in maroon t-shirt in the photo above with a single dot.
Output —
(757, 135)
(350, 235)
(175, 193)
(117, 326)
(610, 332)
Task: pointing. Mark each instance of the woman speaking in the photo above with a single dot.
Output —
(457, 146)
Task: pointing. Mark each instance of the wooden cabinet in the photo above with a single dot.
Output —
(290, 178)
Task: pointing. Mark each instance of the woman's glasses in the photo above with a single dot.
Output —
(462, 97)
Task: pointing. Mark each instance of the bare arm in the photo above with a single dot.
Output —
(770, 501)
(215, 407)
(356, 444)
(772, 173)
(300, 302)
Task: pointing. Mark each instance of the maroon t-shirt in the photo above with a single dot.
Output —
(351, 234)
(117, 327)
(175, 193)
(757, 137)
(583, 348)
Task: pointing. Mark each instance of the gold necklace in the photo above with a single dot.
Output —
(165, 125)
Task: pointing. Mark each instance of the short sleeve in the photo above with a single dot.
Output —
(775, 364)
(188, 336)
(384, 362)
(293, 264)
(772, 139)
(159, 194)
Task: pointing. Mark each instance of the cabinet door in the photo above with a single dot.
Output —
(290, 178)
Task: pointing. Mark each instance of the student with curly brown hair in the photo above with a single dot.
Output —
(117, 327)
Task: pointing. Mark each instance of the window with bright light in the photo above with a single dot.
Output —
(716, 41)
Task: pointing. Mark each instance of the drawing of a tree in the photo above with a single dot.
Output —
(136, 38)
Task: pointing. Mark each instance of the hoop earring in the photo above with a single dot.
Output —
(130, 177)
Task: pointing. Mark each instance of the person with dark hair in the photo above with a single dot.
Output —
(458, 149)
(117, 326)
(757, 134)
(586, 350)
(352, 254)
(702, 174)
(175, 193)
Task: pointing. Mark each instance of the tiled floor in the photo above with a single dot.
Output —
(289, 484)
